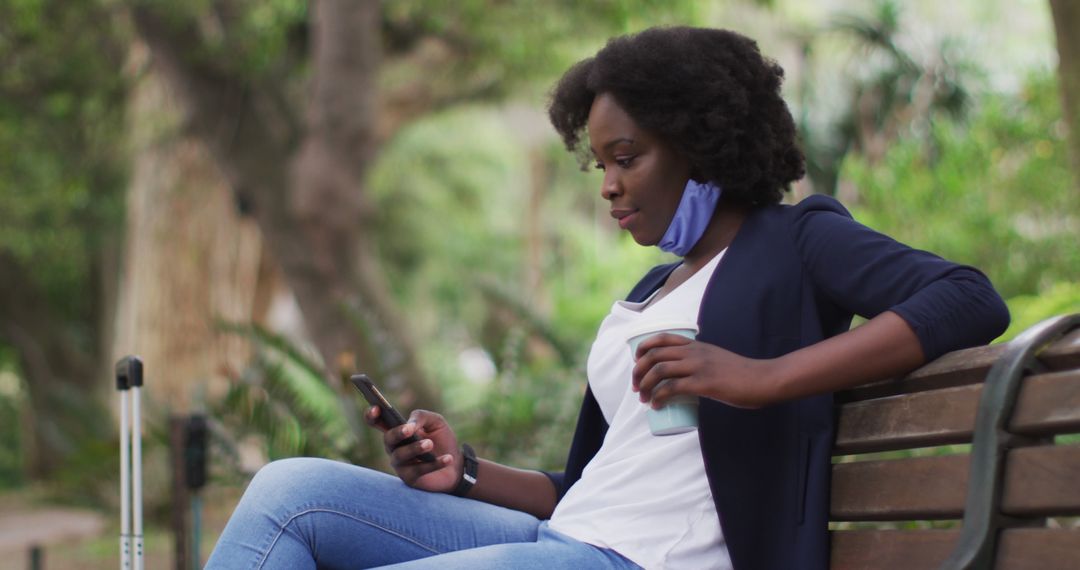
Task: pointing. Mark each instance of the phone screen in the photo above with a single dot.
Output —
(389, 415)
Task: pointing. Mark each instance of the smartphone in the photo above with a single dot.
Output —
(389, 414)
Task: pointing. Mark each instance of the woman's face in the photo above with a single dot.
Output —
(644, 177)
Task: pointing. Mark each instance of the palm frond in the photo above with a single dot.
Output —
(283, 397)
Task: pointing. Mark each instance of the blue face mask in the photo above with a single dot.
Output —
(691, 218)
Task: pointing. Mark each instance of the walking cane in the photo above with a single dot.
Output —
(128, 382)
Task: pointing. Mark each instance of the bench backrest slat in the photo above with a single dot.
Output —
(879, 549)
(1047, 404)
(1039, 481)
(917, 488)
(907, 421)
(962, 367)
(1042, 481)
(968, 366)
(1038, 548)
(1034, 548)
(1063, 354)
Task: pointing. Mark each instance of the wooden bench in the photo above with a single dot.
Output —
(1011, 403)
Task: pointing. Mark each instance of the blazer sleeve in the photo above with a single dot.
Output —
(949, 306)
(558, 480)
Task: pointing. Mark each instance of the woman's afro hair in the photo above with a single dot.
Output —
(709, 93)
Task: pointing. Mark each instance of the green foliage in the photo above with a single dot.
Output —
(251, 38)
(443, 188)
(993, 193)
(1028, 310)
(283, 398)
(518, 42)
(241, 38)
(61, 155)
(525, 417)
(62, 171)
(889, 90)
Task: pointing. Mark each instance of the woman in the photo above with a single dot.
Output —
(697, 147)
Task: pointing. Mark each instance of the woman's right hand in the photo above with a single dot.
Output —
(434, 436)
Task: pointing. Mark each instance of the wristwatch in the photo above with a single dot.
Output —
(468, 474)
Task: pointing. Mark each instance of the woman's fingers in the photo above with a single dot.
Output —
(393, 437)
(411, 472)
(670, 365)
(420, 422)
(660, 379)
(410, 468)
(409, 453)
(659, 363)
(670, 387)
(373, 418)
(424, 433)
(657, 341)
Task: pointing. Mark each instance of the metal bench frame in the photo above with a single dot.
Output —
(977, 545)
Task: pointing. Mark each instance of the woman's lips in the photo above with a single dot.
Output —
(624, 216)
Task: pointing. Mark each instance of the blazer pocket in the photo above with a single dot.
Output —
(802, 478)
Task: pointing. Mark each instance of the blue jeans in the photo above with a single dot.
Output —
(316, 513)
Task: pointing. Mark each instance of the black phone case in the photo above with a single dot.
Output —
(390, 416)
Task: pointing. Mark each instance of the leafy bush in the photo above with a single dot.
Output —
(995, 193)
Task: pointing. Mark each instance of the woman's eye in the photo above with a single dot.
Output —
(599, 165)
(624, 162)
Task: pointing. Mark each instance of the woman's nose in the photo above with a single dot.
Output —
(610, 188)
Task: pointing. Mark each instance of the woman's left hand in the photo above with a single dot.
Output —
(701, 369)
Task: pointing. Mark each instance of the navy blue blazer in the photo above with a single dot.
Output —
(793, 276)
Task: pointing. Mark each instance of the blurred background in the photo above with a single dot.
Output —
(260, 197)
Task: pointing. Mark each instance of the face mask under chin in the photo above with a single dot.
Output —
(691, 218)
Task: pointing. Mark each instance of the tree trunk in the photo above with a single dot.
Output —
(1066, 23)
(307, 198)
(190, 259)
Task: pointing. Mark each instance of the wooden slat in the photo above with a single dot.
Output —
(1018, 549)
(1039, 481)
(919, 488)
(962, 367)
(924, 419)
(1043, 481)
(1039, 549)
(879, 549)
(957, 368)
(1047, 404)
(1063, 354)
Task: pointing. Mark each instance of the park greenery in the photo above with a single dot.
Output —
(492, 243)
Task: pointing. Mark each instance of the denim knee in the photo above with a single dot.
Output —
(290, 481)
(283, 472)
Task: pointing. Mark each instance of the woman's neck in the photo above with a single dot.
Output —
(722, 229)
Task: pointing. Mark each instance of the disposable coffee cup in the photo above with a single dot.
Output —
(680, 414)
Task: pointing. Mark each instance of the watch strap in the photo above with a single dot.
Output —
(468, 474)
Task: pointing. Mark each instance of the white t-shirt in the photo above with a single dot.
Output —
(646, 497)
